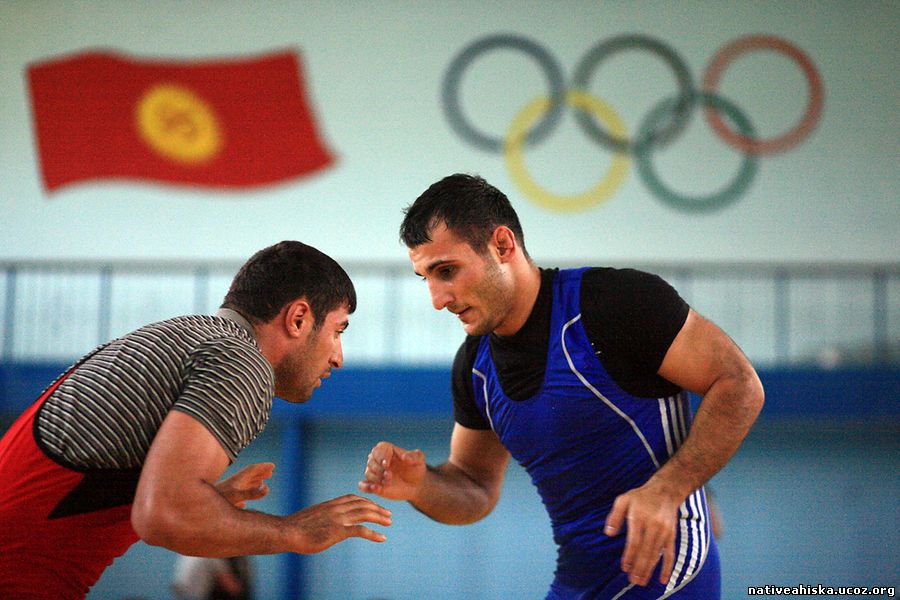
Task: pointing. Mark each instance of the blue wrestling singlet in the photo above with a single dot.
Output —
(585, 441)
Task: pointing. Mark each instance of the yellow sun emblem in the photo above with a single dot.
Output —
(178, 124)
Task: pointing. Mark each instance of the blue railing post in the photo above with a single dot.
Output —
(295, 445)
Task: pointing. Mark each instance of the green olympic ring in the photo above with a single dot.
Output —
(658, 128)
(717, 200)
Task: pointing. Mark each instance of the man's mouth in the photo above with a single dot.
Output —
(460, 313)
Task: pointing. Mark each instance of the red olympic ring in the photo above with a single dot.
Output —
(775, 144)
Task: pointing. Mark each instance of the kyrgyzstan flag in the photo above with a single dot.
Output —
(216, 123)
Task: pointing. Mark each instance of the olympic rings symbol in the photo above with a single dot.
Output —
(660, 126)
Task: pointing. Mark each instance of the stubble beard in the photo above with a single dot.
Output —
(292, 367)
(496, 300)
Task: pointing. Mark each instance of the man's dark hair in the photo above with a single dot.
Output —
(468, 205)
(287, 271)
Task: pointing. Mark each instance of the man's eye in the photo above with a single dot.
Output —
(445, 272)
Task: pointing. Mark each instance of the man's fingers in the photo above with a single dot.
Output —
(265, 469)
(253, 493)
(378, 473)
(413, 457)
(368, 515)
(367, 487)
(256, 472)
(642, 567)
(361, 507)
(645, 555)
(362, 510)
(651, 518)
(616, 517)
(668, 563)
(379, 461)
(633, 541)
(364, 532)
(374, 467)
(325, 524)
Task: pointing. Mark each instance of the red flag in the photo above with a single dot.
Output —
(215, 123)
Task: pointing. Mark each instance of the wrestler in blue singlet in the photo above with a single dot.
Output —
(584, 441)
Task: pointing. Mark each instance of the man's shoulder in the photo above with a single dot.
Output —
(196, 327)
(612, 275)
(185, 322)
(204, 338)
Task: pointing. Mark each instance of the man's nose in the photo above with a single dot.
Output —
(337, 358)
(440, 298)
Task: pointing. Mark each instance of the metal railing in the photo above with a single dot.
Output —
(826, 314)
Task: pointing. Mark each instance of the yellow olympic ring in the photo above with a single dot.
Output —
(515, 162)
(178, 124)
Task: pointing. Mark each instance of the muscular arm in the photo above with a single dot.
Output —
(177, 504)
(466, 488)
(704, 360)
(462, 490)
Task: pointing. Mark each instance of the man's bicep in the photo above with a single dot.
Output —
(177, 482)
(701, 354)
(183, 450)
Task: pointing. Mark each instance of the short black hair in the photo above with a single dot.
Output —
(468, 205)
(284, 272)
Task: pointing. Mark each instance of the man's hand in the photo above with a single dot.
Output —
(246, 484)
(322, 525)
(394, 473)
(651, 512)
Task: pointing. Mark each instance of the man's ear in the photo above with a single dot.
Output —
(298, 318)
(504, 241)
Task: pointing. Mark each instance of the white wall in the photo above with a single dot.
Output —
(374, 72)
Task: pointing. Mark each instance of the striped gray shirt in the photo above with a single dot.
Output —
(107, 412)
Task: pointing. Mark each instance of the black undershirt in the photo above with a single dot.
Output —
(631, 318)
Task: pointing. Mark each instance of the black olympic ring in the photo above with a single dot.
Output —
(583, 72)
(658, 128)
(680, 111)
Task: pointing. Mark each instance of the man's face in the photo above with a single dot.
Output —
(474, 287)
(311, 359)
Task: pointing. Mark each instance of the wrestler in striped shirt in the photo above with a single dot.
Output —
(133, 439)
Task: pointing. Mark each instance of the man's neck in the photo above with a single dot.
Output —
(230, 313)
(528, 285)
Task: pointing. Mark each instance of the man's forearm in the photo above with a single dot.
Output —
(450, 496)
(728, 410)
(209, 525)
(202, 522)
